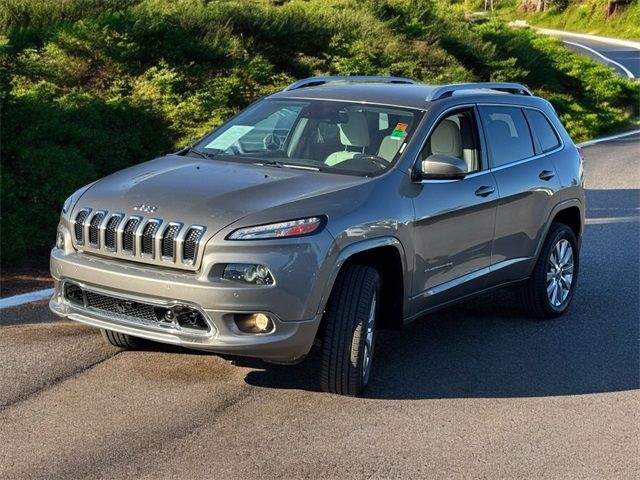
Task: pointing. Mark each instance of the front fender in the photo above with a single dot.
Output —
(362, 246)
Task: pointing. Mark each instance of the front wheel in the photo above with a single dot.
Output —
(350, 329)
(552, 284)
(122, 340)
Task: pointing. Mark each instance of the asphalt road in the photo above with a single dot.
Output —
(479, 391)
(623, 59)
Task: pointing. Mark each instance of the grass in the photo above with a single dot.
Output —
(584, 16)
(88, 87)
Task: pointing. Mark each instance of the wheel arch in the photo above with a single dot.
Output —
(387, 256)
(571, 213)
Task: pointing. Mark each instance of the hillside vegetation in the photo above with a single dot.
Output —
(619, 19)
(89, 87)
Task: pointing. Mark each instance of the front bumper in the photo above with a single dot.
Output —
(288, 342)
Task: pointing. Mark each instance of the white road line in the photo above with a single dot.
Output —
(607, 139)
(618, 42)
(605, 220)
(25, 298)
(606, 59)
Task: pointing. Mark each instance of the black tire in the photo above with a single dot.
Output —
(122, 340)
(345, 367)
(534, 295)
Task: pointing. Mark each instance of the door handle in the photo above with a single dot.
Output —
(546, 175)
(485, 191)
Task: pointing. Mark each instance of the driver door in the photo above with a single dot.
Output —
(454, 219)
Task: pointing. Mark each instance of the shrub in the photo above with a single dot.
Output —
(88, 87)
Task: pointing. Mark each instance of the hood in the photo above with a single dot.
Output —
(212, 193)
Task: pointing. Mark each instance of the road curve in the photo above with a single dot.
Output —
(478, 391)
(621, 55)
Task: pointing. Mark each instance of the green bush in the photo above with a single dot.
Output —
(89, 87)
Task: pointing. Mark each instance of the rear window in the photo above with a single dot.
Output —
(543, 130)
(507, 133)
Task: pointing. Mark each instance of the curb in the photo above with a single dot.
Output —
(23, 298)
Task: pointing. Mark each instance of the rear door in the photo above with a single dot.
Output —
(526, 180)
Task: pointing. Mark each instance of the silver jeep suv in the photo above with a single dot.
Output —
(323, 213)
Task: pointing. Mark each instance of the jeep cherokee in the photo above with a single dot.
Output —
(323, 213)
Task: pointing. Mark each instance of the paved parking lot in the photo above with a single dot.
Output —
(478, 390)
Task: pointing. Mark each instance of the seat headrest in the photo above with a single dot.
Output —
(446, 139)
(500, 130)
(355, 133)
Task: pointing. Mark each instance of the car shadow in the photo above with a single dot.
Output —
(489, 348)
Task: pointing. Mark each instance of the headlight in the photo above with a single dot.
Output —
(291, 228)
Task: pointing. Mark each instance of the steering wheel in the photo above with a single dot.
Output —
(273, 142)
(379, 161)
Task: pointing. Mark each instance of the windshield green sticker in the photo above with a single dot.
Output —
(400, 131)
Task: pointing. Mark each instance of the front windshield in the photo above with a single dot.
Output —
(331, 136)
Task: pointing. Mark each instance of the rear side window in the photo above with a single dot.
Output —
(507, 134)
(543, 130)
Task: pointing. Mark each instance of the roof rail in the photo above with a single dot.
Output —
(316, 81)
(444, 91)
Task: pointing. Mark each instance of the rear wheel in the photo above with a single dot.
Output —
(121, 340)
(552, 284)
(350, 330)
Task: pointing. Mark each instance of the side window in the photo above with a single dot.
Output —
(456, 136)
(507, 134)
(543, 130)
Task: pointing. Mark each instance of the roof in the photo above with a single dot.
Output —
(414, 95)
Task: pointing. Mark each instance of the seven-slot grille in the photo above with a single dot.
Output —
(137, 237)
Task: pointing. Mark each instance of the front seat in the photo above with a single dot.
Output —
(353, 133)
(389, 147)
(446, 139)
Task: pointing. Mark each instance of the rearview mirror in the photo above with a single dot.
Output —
(443, 167)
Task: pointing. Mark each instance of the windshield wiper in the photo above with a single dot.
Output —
(200, 153)
(276, 163)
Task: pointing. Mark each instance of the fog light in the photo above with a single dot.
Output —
(254, 323)
(60, 240)
(248, 273)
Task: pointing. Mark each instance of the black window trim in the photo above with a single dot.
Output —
(528, 159)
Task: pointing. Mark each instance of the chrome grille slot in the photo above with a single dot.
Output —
(168, 242)
(110, 234)
(94, 229)
(148, 235)
(78, 225)
(190, 246)
(128, 236)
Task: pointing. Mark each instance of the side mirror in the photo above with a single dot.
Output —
(442, 167)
